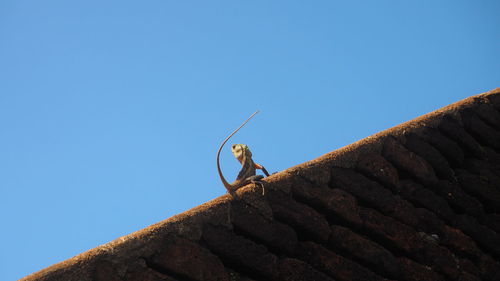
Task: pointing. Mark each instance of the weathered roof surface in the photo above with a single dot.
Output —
(420, 201)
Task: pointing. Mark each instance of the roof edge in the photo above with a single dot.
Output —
(189, 224)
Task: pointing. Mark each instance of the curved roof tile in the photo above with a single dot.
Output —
(420, 201)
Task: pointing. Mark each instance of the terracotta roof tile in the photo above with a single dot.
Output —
(420, 201)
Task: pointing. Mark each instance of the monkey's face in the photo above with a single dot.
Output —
(240, 150)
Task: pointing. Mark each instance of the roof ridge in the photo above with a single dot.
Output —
(385, 160)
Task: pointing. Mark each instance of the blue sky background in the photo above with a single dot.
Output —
(111, 112)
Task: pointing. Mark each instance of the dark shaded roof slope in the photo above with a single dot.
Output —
(420, 201)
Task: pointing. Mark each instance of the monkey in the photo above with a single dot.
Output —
(247, 173)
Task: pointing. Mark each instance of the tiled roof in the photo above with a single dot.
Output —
(420, 201)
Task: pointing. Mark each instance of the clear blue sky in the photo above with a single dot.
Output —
(111, 112)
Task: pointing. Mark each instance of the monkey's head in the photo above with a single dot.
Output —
(240, 150)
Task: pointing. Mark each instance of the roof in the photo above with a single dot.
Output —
(420, 201)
